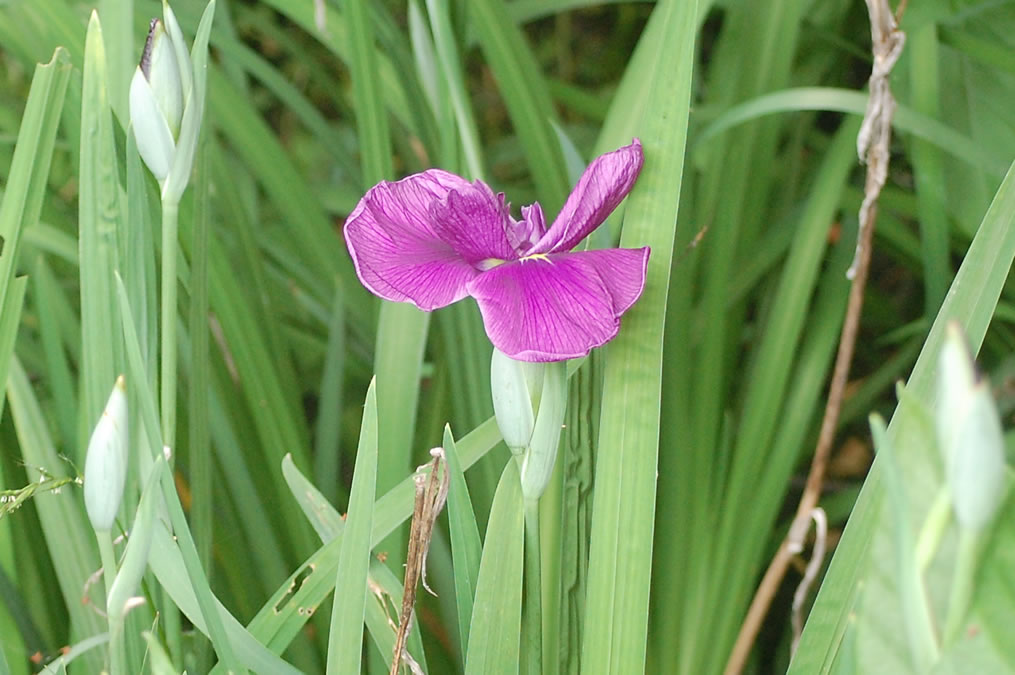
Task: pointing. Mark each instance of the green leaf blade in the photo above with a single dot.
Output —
(345, 640)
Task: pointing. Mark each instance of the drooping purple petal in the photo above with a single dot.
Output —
(397, 252)
(602, 187)
(556, 308)
(475, 222)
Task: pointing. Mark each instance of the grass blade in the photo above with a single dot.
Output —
(855, 103)
(466, 547)
(64, 526)
(345, 642)
(284, 614)
(99, 216)
(26, 182)
(497, 612)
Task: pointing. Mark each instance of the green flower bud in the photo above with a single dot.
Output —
(106, 461)
(516, 387)
(157, 100)
(969, 434)
(162, 71)
(167, 100)
(538, 460)
(529, 402)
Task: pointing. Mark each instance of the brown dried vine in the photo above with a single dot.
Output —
(873, 148)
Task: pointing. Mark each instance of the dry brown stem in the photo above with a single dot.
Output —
(431, 494)
(873, 148)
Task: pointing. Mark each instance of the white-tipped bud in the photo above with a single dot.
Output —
(106, 461)
(161, 69)
(156, 101)
(165, 105)
(969, 433)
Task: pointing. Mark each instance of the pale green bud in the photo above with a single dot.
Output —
(164, 73)
(106, 461)
(157, 101)
(969, 434)
(516, 388)
(167, 100)
(529, 402)
(538, 460)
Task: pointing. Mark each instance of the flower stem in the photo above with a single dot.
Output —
(167, 379)
(933, 530)
(170, 226)
(962, 582)
(117, 647)
(532, 627)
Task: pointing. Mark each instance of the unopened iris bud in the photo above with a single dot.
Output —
(529, 401)
(167, 100)
(516, 387)
(538, 460)
(157, 100)
(969, 434)
(106, 461)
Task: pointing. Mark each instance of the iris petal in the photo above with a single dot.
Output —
(398, 253)
(602, 187)
(474, 221)
(559, 307)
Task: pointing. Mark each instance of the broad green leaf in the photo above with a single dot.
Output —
(326, 521)
(994, 602)
(616, 614)
(327, 446)
(174, 557)
(894, 595)
(923, 55)
(118, 18)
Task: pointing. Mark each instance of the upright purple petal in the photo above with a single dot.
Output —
(397, 252)
(561, 307)
(475, 222)
(602, 187)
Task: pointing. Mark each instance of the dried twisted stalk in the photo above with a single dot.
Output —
(872, 147)
(432, 482)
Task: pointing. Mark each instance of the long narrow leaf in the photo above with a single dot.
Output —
(497, 613)
(466, 547)
(26, 183)
(346, 638)
(99, 216)
(616, 620)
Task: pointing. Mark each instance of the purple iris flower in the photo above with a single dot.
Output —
(433, 238)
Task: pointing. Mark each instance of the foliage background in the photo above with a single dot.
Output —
(521, 94)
